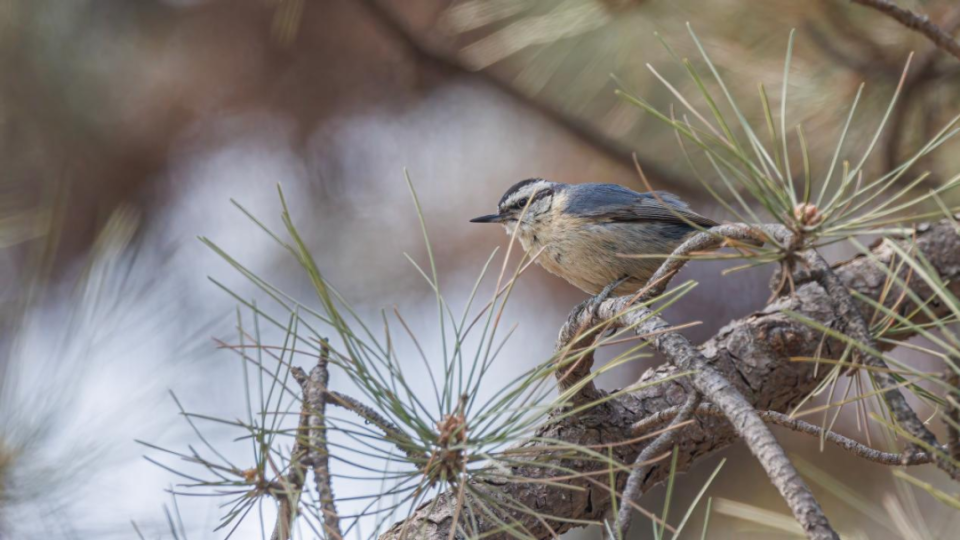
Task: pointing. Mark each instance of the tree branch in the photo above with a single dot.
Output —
(753, 354)
(747, 423)
(318, 455)
(915, 22)
(859, 331)
(449, 63)
(392, 432)
(310, 450)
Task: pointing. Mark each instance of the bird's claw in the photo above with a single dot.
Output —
(578, 322)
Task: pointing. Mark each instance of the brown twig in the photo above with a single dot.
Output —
(310, 450)
(800, 426)
(708, 240)
(634, 488)
(916, 22)
(288, 492)
(747, 423)
(391, 431)
(315, 399)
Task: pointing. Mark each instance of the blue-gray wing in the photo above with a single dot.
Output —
(613, 203)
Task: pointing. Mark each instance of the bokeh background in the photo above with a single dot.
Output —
(126, 128)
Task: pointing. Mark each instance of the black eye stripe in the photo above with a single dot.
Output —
(526, 201)
(541, 194)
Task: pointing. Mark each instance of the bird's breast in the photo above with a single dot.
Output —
(590, 255)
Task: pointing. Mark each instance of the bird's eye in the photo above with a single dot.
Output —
(522, 202)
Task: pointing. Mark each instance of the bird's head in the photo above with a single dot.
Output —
(525, 204)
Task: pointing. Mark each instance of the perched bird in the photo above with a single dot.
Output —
(585, 230)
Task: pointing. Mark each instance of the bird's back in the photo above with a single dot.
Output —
(597, 228)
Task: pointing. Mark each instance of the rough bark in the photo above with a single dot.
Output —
(753, 353)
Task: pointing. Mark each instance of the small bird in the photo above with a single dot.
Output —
(585, 230)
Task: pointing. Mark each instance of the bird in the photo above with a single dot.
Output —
(587, 232)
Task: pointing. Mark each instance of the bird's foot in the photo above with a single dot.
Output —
(585, 315)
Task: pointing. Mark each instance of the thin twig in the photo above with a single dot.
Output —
(310, 450)
(633, 489)
(315, 400)
(391, 431)
(858, 330)
(288, 494)
(773, 417)
(734, 234)
(915, 22)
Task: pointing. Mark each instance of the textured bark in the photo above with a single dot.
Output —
(743, 416)
(311, 450)
(753, 353)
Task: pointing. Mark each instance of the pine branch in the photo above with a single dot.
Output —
(858, 329)
(310, 450)
(753, 353)
(746, 421)
(318, 455)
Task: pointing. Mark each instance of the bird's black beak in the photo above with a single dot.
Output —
(492, 218)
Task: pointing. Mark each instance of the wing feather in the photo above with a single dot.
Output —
(613, 203)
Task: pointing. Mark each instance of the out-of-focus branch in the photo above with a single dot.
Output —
(924, 73)
(446, 62)
(794, 424)
(869, 58)
(916, 22)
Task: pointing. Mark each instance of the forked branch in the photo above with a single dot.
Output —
(310, 452)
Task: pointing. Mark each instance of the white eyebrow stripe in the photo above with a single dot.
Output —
(526, 192)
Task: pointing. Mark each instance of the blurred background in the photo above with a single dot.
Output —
(126, 128)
